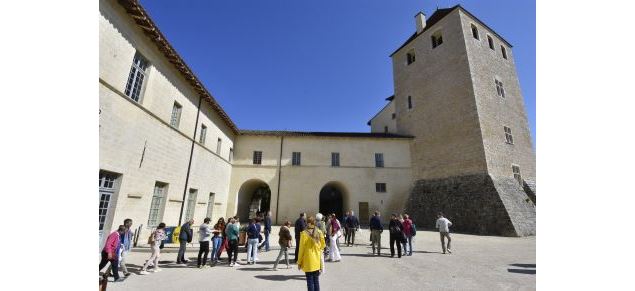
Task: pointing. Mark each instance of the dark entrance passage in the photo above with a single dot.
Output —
(254, 198)
(331, 201)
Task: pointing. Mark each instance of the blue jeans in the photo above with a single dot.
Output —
(266, 243)
(217, 241)
(313, 280)
(252, 249)
(409, 243)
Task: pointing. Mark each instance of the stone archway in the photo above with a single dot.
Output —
(254, 197)
(333, 199)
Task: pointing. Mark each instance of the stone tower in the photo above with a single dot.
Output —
(457, 93)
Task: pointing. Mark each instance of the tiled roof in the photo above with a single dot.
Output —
(143, 21)
(323, 134)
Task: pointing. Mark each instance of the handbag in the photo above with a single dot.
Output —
(151, 238)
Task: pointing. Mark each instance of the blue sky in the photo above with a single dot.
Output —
(318, 65)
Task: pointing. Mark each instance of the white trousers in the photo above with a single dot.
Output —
(334, 252)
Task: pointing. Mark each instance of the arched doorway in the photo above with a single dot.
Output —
(254, 197)
(332, 199)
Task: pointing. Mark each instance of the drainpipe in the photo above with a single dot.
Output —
(189, 165)
(279, 178)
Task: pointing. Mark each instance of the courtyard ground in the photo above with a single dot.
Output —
(477, 263)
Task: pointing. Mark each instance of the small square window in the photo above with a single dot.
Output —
(380, 187)
(410, 57)
(257, 157)
(437, 39)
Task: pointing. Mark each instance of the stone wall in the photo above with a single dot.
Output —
(475, 204)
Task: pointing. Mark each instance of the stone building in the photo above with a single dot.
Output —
(169, 152)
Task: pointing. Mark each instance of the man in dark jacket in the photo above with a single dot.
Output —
(352, 225)
(267, 231)
(396, 235)
(375, 232)
(185, 236)
(300, 225)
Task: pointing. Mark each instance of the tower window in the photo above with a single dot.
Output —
(500, 90)
(504, 51)
(219, 144)
(176, 115)
(517, 176)
(385, 129)
(231, 154)
(380, 187)
(490, 41)
(295, 159)
(394, 115)
(475, 32)
(257, 157)
(410, 57)
(437, 39)
(136, 77)
(508, 135)
(409, 102)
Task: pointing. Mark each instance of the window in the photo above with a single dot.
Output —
(106, 190)
(191, 204)
(394, 115)
(335, 159)
(136, 77)
(409, 102)
(295, 159)
(203, 134)
(379, 160)
(500, 90)
(504, 51)
(257, 157)
(210, 205)
(176, 115)
(516, 171)
(156, 206)
(475, 32)
(410, 57)
(219, 143)
(380, 187)
(231, 154)
(490, 41)
(385, 129)
(437, 39)
(508, 135)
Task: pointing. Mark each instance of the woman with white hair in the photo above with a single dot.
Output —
(319, 218)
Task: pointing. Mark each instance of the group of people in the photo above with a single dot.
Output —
(311, 235)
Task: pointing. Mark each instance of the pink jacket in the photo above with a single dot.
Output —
(112, 243)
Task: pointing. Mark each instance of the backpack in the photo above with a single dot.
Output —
(414, 230)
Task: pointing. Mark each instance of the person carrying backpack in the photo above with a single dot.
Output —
(396, 235)
(253, 233)
(409, 231)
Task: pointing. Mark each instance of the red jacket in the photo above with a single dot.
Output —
(407, 227)
(112, 243)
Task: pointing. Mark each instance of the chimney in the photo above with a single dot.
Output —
(420, 19)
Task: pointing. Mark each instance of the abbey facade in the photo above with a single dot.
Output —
(454, 137)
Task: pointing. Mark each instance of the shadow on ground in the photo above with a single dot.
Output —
(529, 269)
(281, 277)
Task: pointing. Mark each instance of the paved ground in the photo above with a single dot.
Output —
(477, 263)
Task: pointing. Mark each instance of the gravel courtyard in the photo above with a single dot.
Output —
(477, 263)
